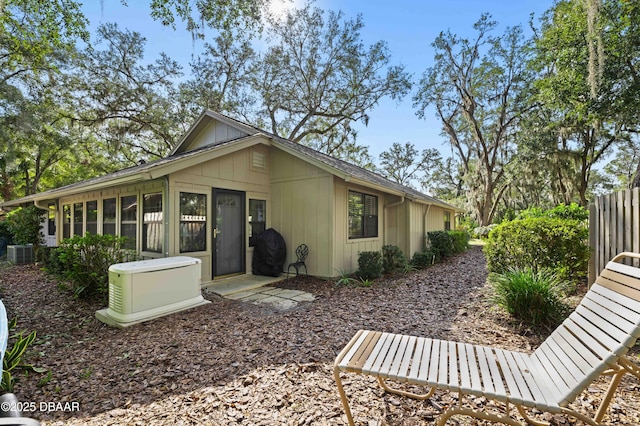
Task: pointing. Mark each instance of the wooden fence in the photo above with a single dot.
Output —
(614, 227)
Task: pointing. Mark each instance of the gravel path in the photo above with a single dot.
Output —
(230, 362)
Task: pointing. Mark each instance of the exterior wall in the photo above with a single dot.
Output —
(434, 219)
(407, 224)
(232, 172)
(346, 251)
(396, 223)
(302, 210)
(214, 132)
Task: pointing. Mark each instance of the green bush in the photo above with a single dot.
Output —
(5, 232)
(534, 297)
(573, 212)
(422, 259)
(13, 357)
(369, 265)
(392, 259)
(440, 243)
(24, 225)
(84, 262)
(540, 243)
(459, 240)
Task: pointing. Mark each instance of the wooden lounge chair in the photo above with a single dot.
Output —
(590, 343)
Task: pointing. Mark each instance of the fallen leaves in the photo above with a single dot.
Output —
(230, 362)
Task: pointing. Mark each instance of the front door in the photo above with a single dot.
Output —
(228, 232)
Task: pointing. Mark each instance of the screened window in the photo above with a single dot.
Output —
(193, 222)
(51, 219)
(363, 215)
(257, 219)
(77, 219)
(66, 221)
(128, 220)
(152, 223)
(447, 221)
(109, 216)
(92, 217)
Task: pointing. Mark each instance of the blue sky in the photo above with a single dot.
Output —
(409, 28)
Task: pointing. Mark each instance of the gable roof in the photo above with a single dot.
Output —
(333, 165)
(180, 158)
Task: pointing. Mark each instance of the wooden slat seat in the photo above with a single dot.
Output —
(591, 342)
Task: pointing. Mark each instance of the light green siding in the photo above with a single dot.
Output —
(232, 172)
(346, 250)
(302, 206)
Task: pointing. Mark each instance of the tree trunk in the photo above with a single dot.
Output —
(635, 182)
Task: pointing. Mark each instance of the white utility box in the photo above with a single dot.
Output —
(148, 289)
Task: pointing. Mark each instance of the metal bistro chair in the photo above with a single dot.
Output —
(301, 253)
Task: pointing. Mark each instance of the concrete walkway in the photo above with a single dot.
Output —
(256, 289)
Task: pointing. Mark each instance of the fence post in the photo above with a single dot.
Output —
(593, 232)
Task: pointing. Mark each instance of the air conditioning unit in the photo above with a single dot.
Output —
(20, 254)
(147, 289)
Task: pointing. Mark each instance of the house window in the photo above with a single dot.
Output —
(109, 216)
(77, 219)
(92, 217)
(257, 219)
(66, 221)
(51, 219)
(447, 221)
(152, 223)
(363, 215)
(193, 222)
(129, 220)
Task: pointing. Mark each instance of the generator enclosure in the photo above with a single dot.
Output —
(148, 289)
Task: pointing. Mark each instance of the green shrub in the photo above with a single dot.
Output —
(440, 243)
(84, 262)
(392, 259)
(369, 265)
(534, 297)
(24, 225)
(459, 240)
(5, 232)
(52, 262)
(13, 357)
(572, 212)
(540, 243)
(422, 259)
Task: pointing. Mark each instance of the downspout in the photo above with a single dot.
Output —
(37, 203)
(397, 203)
(167, 208)
(424, 224)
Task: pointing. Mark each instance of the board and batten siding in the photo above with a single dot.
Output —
(235, 172)
(302, 210)
(346, 251)
(407, 224)
(214, 132)
(397, 222)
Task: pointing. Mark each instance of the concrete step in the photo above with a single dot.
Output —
(229, 286)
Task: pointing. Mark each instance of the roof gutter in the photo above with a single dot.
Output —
(397, 203)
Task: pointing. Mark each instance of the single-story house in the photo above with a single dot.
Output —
(224, 183)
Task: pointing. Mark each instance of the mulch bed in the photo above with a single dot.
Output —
(231, 362)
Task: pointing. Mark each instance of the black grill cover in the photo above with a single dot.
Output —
(269, 254)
